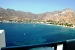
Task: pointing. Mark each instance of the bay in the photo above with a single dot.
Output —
(18, 34)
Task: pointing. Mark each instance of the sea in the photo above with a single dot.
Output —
(19, 34)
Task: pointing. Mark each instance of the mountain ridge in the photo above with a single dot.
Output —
(65, 15)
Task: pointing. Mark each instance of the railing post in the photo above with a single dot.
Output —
(2, 39)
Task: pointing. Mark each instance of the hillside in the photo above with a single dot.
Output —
(65, 15)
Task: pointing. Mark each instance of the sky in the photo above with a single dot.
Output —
(37, 6)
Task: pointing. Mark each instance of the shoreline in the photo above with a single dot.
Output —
(48, 24)
(60, 25)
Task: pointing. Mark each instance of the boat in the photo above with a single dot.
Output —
(24, 34)
(34, 25)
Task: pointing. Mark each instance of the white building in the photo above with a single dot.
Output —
(2, 39)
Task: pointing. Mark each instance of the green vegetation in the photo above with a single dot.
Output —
(59, 23)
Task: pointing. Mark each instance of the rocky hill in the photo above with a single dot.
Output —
(10, 14)
(65, 15)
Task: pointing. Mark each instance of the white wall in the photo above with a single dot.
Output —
(60, 47)
(2, 39)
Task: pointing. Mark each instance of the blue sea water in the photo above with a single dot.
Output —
(26, 34)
